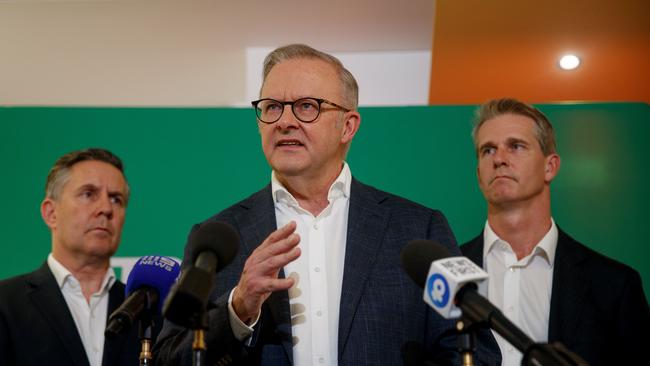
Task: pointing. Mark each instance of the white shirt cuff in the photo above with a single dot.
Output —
(239, 328)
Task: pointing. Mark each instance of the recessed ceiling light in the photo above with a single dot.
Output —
(569, 62)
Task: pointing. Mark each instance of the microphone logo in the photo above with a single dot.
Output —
(165, 263)
(446, 277)
(438, 290)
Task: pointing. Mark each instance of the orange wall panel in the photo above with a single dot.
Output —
(483, 50)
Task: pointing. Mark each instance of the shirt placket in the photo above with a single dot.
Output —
(319, 289)
(511, 283)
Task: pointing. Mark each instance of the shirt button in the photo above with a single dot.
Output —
(319, 313)
(321, 359)
(512, 269)
(316, 269)
(316, 226)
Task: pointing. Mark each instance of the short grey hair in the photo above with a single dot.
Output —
(60, 172)
(544, 132)
(296, 51)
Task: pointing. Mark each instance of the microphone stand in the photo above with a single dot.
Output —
(551, 354)
(144, 333)
(466, 329)
(199, 347)
(480, 310)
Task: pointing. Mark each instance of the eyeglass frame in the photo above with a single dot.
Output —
(320, 101)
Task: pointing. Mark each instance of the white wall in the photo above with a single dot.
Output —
(194, 52)
(384, 78)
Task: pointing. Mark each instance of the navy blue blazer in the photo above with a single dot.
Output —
(381, 308)
(36, 326)
(598, 307)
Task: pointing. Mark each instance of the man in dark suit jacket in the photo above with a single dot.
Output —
(56, 315)
(598, 308)
(36, 327)
(271, 305)
(592, 304)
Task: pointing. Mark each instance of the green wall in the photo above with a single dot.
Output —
(186, 164)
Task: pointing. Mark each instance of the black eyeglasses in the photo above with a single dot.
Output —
(306, 110)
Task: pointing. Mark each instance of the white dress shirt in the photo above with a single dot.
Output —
(318, 272)
(89, 318)
(520, 288)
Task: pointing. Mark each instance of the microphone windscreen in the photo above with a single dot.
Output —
(156, 272)
(417, 256)
(216, 237)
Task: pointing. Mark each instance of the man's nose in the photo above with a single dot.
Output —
(105, 206)
(500, 158)
(287, 119)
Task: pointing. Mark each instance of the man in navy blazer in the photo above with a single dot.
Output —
(56, 315)
(553, 287)
(317, 279)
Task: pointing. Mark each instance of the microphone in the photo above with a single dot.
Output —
(450, 288)
(211, 247)
(429, 265)
(148, 284)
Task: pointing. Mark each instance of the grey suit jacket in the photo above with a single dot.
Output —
(36, 327)
(598, 308)
(381, 309)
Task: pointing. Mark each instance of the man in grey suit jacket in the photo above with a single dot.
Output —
(553, 287)
(56, 315)
(317, 279)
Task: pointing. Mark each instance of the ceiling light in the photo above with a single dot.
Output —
(569, 62)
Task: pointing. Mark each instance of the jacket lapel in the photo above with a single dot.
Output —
(363, 243)
(47, 298)
(570, 285)
(474, 250)
(258, 222)
(113, 345)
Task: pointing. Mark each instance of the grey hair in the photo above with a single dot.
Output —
(60, 172)
(295, 51)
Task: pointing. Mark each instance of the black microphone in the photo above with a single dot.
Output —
(146, 288)
(450, 282)
(211, 247)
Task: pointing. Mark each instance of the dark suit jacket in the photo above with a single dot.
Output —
(36, 327)
(598, 308)
(381, 308)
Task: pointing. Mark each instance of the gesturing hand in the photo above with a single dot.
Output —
(260, 275)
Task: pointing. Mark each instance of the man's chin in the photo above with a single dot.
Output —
(501, 197)
(290, 169)
(101, 248)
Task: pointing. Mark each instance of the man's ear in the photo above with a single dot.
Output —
(351, 123)
(552, 167)
(48, 212)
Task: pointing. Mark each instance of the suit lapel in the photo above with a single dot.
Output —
(570, 284)
(47, 298)
(474, 250)
(367, 221)
(258, 222)
(113, 345)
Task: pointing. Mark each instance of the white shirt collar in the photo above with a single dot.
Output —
(339, 188)
(63, 275)
(545, 248)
